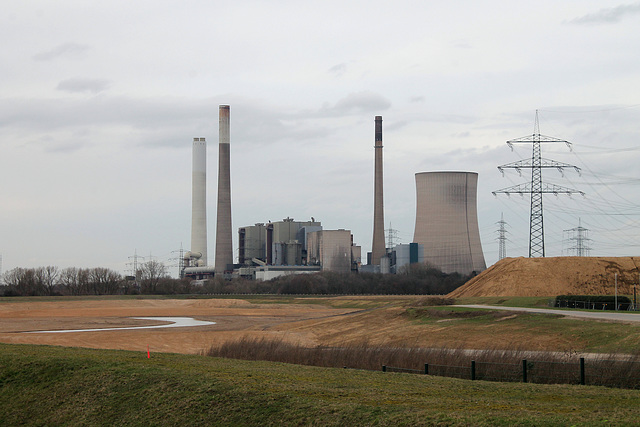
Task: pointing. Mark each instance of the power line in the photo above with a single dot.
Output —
(536, 188)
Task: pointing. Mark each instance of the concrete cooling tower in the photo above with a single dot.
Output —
(447, 221)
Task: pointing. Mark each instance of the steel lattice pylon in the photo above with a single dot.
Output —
(536, 188)
(502, 238)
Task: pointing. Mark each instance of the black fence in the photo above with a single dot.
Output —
(608, 373)
(620, 303)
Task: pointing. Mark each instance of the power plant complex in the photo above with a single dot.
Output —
(446, 233)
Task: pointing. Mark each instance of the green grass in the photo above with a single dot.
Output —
(57, 386)
(536, 302)
(575, 334)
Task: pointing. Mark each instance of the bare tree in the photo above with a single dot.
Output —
(104, 281)
(151, 272)
(70, 280)
(48, 277)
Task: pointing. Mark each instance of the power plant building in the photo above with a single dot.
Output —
(276, 243)
(406, 254)
(447, 221)
(331, 249)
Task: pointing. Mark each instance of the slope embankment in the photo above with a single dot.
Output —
(554, 276)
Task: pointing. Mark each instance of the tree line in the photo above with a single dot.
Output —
(153, 278)
(50, 280)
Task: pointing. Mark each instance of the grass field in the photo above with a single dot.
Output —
(42, 385)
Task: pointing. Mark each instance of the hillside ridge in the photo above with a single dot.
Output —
(553, 276)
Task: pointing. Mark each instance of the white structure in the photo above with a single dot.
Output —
(198, 251)
(447, 221)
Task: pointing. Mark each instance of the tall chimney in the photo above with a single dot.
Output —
(199, 200)
(378, 247)
(224, 247)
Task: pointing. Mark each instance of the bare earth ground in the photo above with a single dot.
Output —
(554, 276)
(234, 319)
(307, 324)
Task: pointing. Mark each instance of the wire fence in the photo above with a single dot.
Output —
(601, 372)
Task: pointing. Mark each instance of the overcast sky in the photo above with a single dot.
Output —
(100, 102)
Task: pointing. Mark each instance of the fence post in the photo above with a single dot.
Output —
(582, 377)
(524, 370)
(384, 368)
(426, 369)
(473, 370)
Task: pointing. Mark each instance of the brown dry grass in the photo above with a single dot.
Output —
(234, 318)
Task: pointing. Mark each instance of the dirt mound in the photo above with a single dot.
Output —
(553, 276)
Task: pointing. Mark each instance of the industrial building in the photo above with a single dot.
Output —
(333, 250)
(276, 243)
(403, 255)
(447, 221)
(446, 232)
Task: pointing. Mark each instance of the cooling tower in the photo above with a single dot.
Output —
(378, 249)
(447, 221)
(199, 201)
(224, 248)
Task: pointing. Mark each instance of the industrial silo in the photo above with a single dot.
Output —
(447, 221)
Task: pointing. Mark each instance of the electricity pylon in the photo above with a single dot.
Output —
(536, 188)
(502, 238)
(581, 236)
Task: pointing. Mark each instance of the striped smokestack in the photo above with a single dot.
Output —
(378, 248)
(224, 247)
(199, 201)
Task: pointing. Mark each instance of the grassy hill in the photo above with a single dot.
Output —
(42, 385)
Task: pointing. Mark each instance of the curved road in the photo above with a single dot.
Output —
(597, 315)
(173, 322)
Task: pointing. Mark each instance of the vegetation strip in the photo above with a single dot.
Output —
(53, 386)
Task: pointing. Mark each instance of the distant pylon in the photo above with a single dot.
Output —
(392, 237)
(579, 235)
(536, 188)
(502, 238)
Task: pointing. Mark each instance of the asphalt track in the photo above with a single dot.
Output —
(595, 315)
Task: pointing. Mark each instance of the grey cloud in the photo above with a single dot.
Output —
(338, 69)
(608, 15)
(79, 85)
(417, 99)
(397, 125)
(359, 102)
(159, 122)
(72, 50)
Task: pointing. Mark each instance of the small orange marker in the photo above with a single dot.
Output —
(148, 352)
